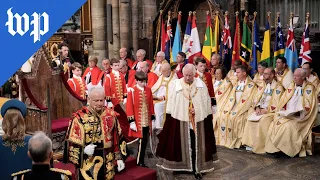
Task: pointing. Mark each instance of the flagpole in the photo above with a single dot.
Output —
(253, 31)
(159, 31)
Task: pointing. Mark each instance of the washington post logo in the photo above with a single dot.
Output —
(21, 24)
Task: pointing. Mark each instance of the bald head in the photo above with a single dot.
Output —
(166, 69)
(40, 148)
(123, 53)
(189, 71)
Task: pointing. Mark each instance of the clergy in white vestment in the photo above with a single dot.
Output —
(290, 131)
(312, 77)
(235, 111)
(283, 72)
(258, 77)
(160, 60)
(262, 112)
(232, 75)
(160, 93)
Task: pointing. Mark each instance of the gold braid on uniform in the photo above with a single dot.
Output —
(109, 166)
(66, 173)
(74, 155)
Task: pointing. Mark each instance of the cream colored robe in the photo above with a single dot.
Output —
(156, 67)
(221, 92)
(160, 88)
(292, 135)
(232, 77)
(234, 115)
(314, 80)
(255, 132)
(286, 78)
(258, 79)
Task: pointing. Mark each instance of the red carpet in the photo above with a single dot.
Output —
(131, 171)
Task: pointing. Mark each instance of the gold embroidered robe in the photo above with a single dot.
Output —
(292, 135)
(286, 78)
(88, 127)
(234, 115)
(221, 92)
(255, 132)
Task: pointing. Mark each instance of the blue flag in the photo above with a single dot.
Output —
(291, 53)
(278, 44)
(256, 49)
(177, 41)
(26, 25)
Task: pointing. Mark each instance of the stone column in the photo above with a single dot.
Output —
(124, 23)
(116, 29)
(98, 29)
(109, 28)
(149, 13)
(135, 19)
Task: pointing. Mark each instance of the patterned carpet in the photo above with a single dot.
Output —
(243, 165)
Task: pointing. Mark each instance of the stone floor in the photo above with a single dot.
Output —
(240, 164)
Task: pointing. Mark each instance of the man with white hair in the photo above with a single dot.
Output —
(40, 151)
(160, 60)
(93, 139)
(124, 56)
(290, 131)
(187, 141)
(141, 56)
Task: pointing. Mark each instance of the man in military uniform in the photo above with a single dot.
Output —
(93, 139)
(40, 151)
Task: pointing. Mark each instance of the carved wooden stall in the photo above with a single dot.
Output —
(41, 84)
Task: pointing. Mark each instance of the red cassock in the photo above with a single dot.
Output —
(136, 62)
(103, 76)
(115, 88)
(130, 62)
(140, 109)
(152, 79)
(207, 79)
(78, 86)
(178, 70)
(94, 75)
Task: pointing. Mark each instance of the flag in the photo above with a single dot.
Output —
(168, 40)
(291, 51)
(305, 50)
(226, 44)
(195, 48)
(163, 35)
(256, 48)
(236, 41)
(207, 43)
(186, 40)
(266, 55)
(245, 48)
(177, 41)
(279, 43)
(215, 39)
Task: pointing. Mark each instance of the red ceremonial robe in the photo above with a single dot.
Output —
(152, 79)
(207, 79)
(94, 77)
(136, 62)
(130, 62)
(78, 86)
(136, 101)
(103, 76)
(116, 92)
(178, 70)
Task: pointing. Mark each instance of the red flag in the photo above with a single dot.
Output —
(163, 35)
(236, 41)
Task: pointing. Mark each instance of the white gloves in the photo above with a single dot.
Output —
(133, 126)
(124, 101)
(89, 150)
(110, 105)
(120, 165)
(153, 125)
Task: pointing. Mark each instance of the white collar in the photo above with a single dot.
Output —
(140, 88)
(77, 77)
(116, 73)
(199, 73)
